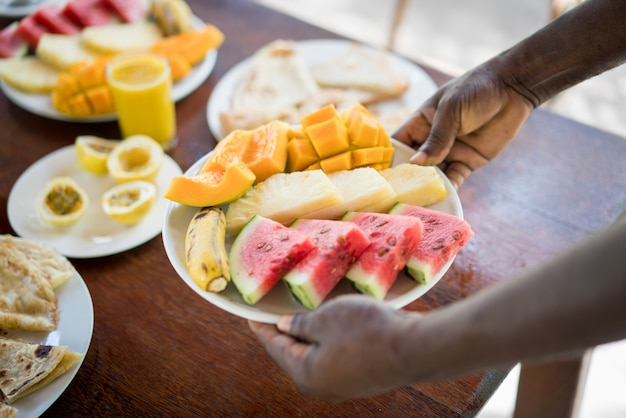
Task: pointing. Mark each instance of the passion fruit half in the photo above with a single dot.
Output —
(130, 202)
(62, 201)
(137, 157)
(92, 152)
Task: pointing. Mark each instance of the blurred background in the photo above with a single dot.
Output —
(454, 36)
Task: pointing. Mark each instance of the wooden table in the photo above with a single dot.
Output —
(158, 349)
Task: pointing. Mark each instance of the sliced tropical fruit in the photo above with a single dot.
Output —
(413, 184)
(137, 157)
(443, 237)
(283, 197)
(359, 187)
(262, 254)
(214, 186)
(337, 245)
(62, 201)
(263, 150)
(92, 152)
(334, 142)
(393, 239)
(130, 202)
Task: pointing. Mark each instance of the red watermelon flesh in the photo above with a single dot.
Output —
(444, 236)
(30, 31)
(54, 21)
(128, 10)
(262, 253)
(338, 244)
(393, 239)
(88, 13)
(11, 45)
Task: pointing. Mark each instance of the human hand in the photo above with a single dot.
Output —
(348, 348)
(467, 122)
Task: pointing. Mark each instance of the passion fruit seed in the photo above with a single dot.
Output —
(63, 200)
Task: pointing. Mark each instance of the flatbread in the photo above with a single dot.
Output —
(26, 367)
(28, 301)
(7, 411)
(53, 265)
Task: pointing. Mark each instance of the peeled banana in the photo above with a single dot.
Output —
(205, 249)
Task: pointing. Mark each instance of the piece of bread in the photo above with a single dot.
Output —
(63, 51)
(28, 74)
(121, 37)
(362, 68)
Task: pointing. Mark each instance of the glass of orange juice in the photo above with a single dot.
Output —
(141, 85)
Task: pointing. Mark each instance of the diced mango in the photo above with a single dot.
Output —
(323, 114)
(364, 131)
(366, 156)
(101, 99)
(338, 162)
(301, 154)
(329, 137)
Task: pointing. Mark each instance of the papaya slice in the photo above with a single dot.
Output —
(214, 185)
(193, 45)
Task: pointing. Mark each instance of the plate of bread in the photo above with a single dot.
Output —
(46, 336)
(285, 80)
(64, 76)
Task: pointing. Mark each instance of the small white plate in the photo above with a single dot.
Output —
(41, 104)
(314, 52)
(95, 234)
(279, 300)
(7, 10)
(74, 330)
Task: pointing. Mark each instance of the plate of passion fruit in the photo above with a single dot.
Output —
(279, 219)
(64, 79)
(95, 198)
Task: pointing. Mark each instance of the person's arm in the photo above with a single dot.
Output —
(472, 118)
(354, 346)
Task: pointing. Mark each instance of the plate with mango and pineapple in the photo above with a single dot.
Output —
(370, 173)
(64, 78)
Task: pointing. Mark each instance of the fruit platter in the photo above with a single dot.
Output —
(52, 61)
(279, 192)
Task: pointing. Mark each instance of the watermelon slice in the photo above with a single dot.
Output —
(338, 245)
(54, 21)
(11, 45)
(263, 252)
(88, 13)
(30, 31)
(393, 239)
(128, 10)
(444, 235)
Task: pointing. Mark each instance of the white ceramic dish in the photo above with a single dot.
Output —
(41, 104)
(314, 52)
(279, 301)
(74, 330)
(95, 234)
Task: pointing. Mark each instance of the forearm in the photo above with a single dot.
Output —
(578, 45)
(574, 302)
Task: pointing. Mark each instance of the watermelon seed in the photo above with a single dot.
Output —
(438, 246)
(382, 252)
(382, 223)
(325, 230)
(456, 236)
(341, 239)
(392, 241)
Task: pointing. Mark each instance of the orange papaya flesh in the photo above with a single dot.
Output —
(263, 150)
(192, 45)
(216, 185)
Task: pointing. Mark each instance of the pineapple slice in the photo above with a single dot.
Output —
(413, 184)
(359, 188)
(283, 197)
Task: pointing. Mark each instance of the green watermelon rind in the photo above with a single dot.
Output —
(301, 289)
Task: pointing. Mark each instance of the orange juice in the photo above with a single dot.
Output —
(141, 87)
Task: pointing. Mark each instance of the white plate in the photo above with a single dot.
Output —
(315, 52)
(74, 330)
(95, 234)
(7, 10)
(41, 104)
(279, 300)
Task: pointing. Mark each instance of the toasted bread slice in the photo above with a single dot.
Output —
(121, 37)
(63, 51)
(362, 68)
(28, 74)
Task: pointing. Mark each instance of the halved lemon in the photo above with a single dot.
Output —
(138, 157)
(62, 201)
(92, 152)
(130, 202)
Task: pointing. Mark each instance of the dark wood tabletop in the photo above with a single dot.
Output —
(158, 349)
